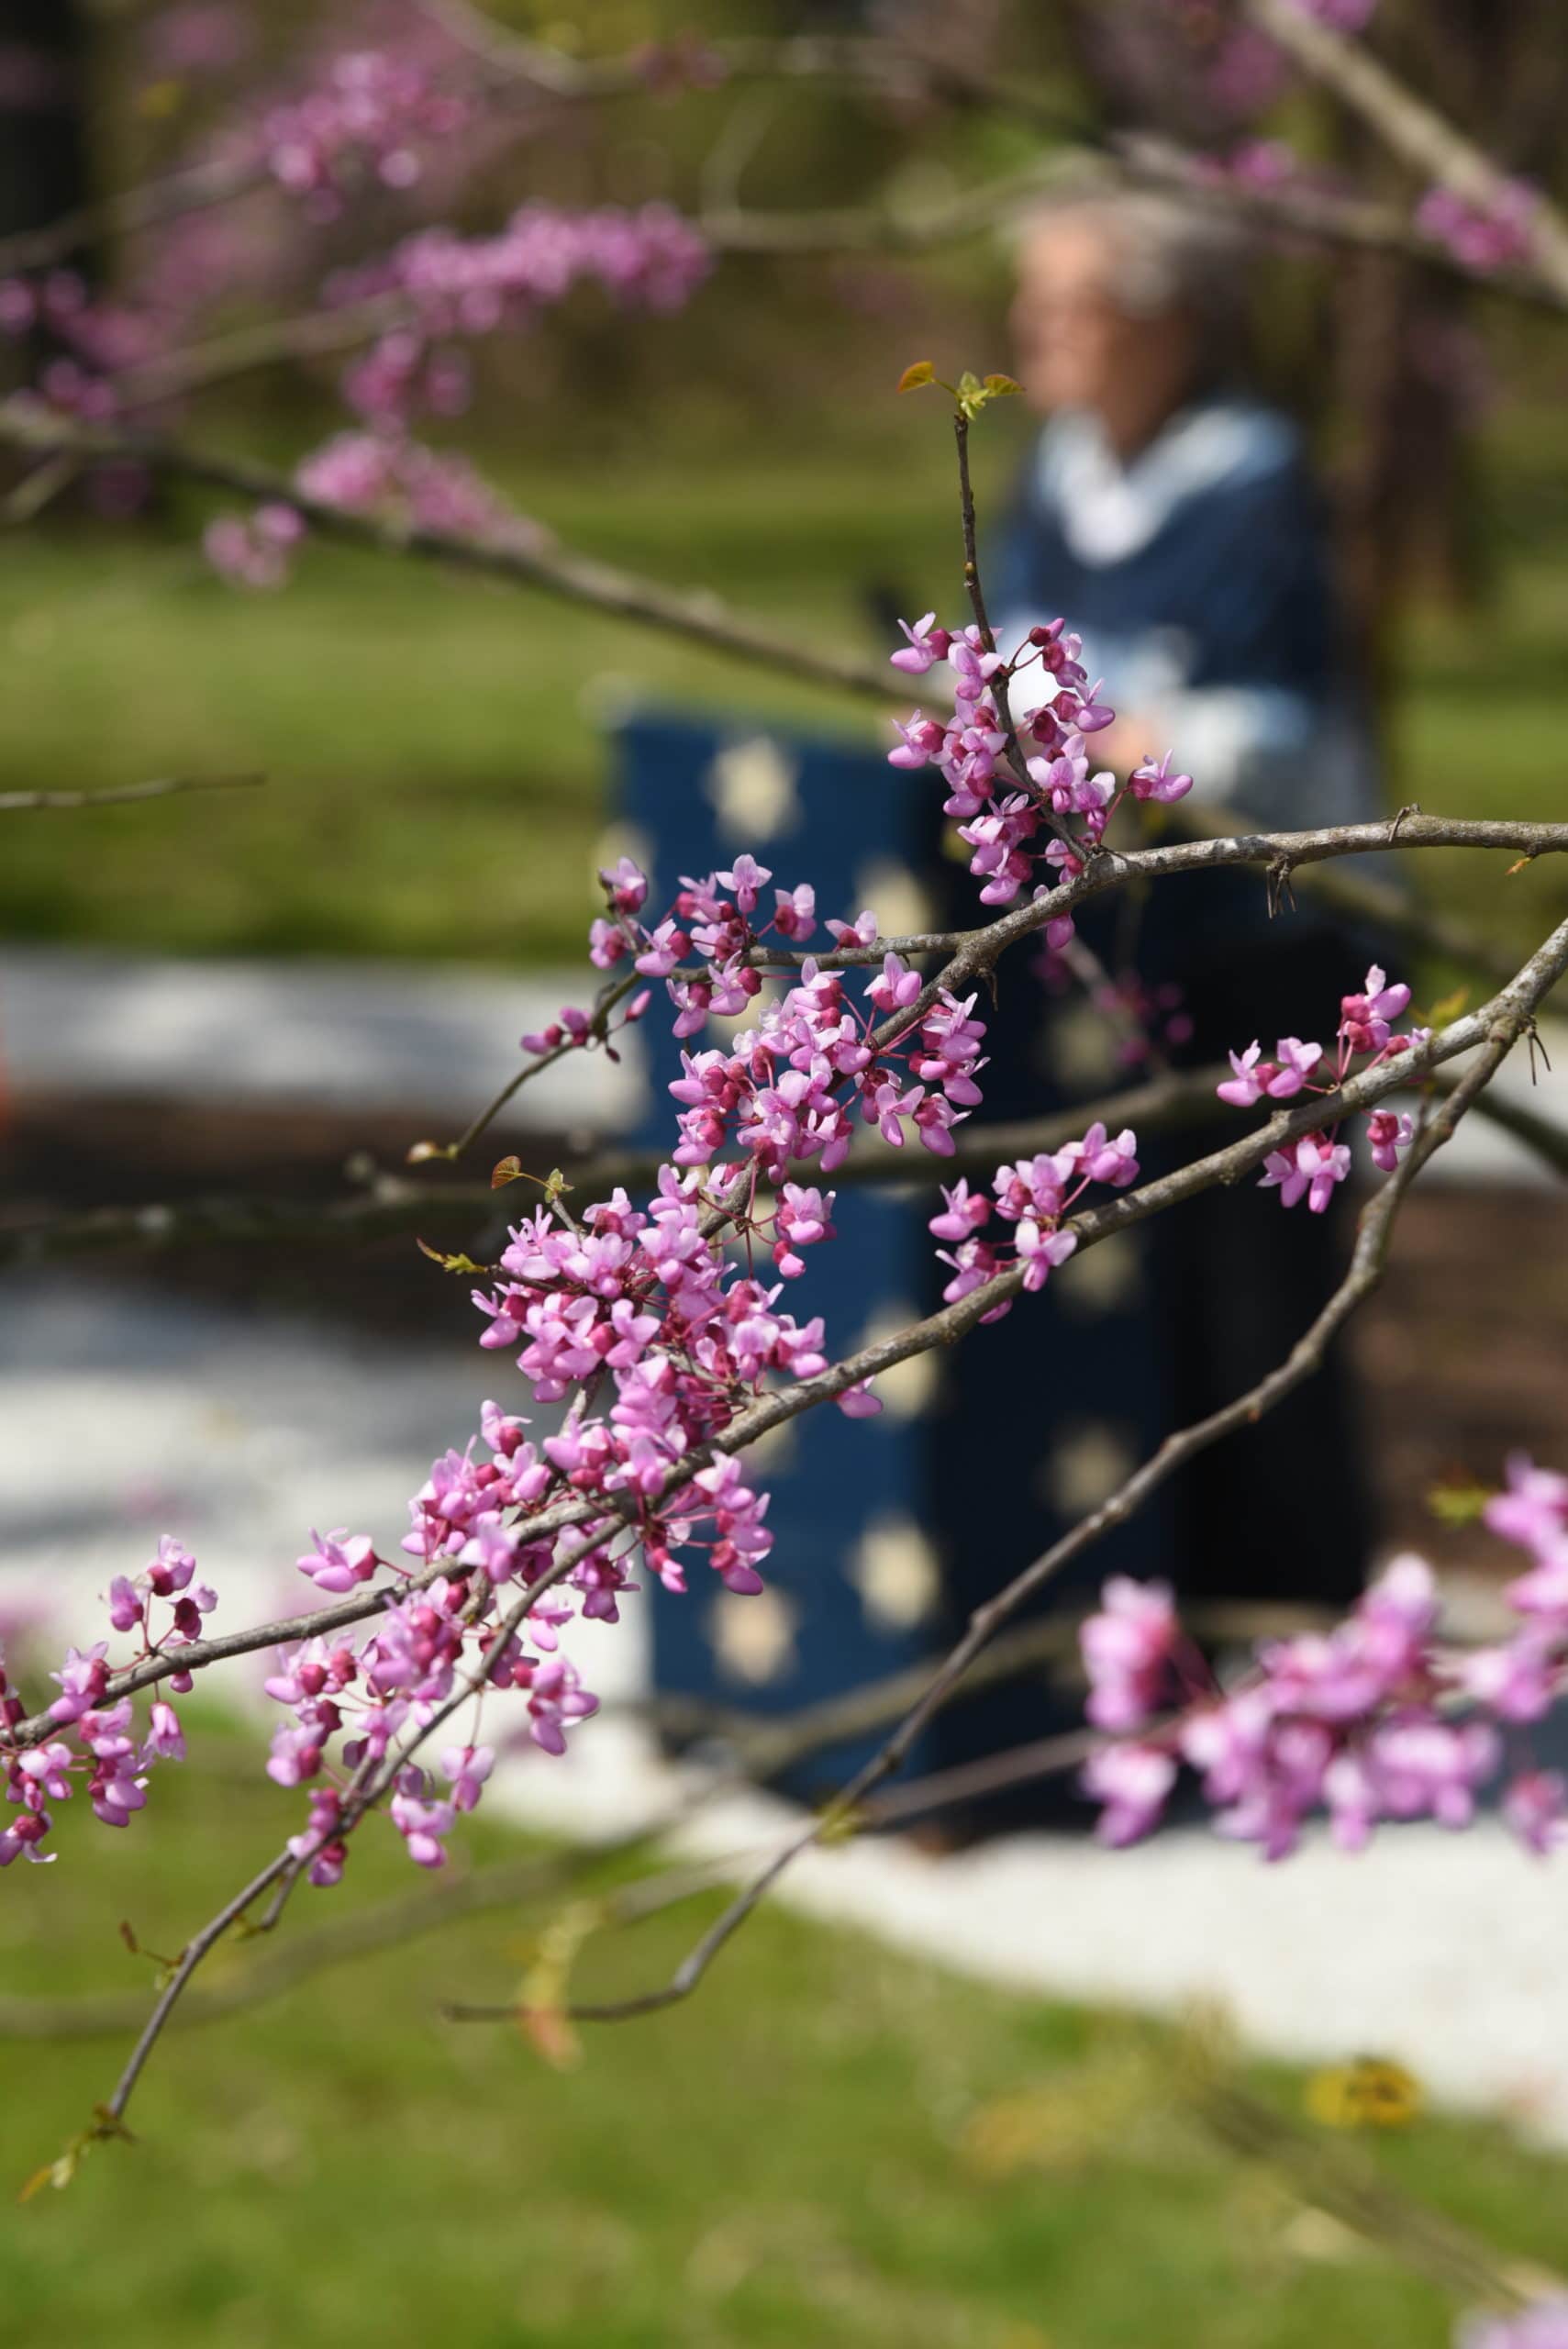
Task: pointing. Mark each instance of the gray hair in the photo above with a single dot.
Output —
(1170, 255)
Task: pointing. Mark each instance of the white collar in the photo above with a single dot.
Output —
(1109, 510)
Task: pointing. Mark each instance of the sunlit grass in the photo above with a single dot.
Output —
(831, 2145)
(436, 746)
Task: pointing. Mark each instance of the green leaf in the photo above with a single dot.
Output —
(1000, 386)
(1457, 1503)
(450, 1264)
(842, 1822)
(916, 378)
(1448, 1008)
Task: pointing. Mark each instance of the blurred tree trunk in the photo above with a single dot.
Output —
(43, 146)
(1408, 359)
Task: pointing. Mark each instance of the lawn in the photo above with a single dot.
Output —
(829, 2145)
(435, 746)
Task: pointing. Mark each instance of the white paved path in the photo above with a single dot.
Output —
(123, 1415)
(300, 1033)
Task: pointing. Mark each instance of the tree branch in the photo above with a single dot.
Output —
(16, 803)
(1507, 1019)
(1414, 130)
(146, 206)
(943, 1328)
(393, 1204)
(693, 614)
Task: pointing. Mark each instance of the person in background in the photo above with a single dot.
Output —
(1170, 515)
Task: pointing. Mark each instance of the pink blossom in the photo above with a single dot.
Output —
(1151, 781)
(1128, 1650)
(83, 1681)
(1533, 1510)
(1278, 1080)
(1499, 235)
(928, 644)
(1517, 1681)
(327, 1855)
(747, 878)
(1388, 1134)
(467, 1767)
(46, 1771)
(794, 911)
(1364, 1017)
(920, 741)
(1308, 1168)
(340, 1561)
(1535, 1805)
(166, 1739)
(1134, 1783)
(1104, 1160)
(423, 1826)
(625, 885)
(125, 1604)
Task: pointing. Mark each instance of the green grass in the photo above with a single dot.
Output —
(434, 744)
(812, 2151)
(434, 747)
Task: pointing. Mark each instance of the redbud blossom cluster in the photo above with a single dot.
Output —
(1032, 1196)
(365, 119)
(458, 287)
(1013, 798)
(1500, 235)
(1374, 1720)
(650, 259)
(163, 1606)
(649, 1330)
(1312, 1167)
(91, 341)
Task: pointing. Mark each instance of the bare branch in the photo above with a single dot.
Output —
(1360, 2195)
(701, 618)
(1414, 130)
(190, 1956)
(393, 1204)
(1388, 908)
(314, 334)
(16, 803)
(147, 206)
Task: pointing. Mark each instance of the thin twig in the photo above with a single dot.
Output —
(598, 1028)
(394, 1204)
(190, 1956)
(16, 803)
(145, 207)
(1360, 2195)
